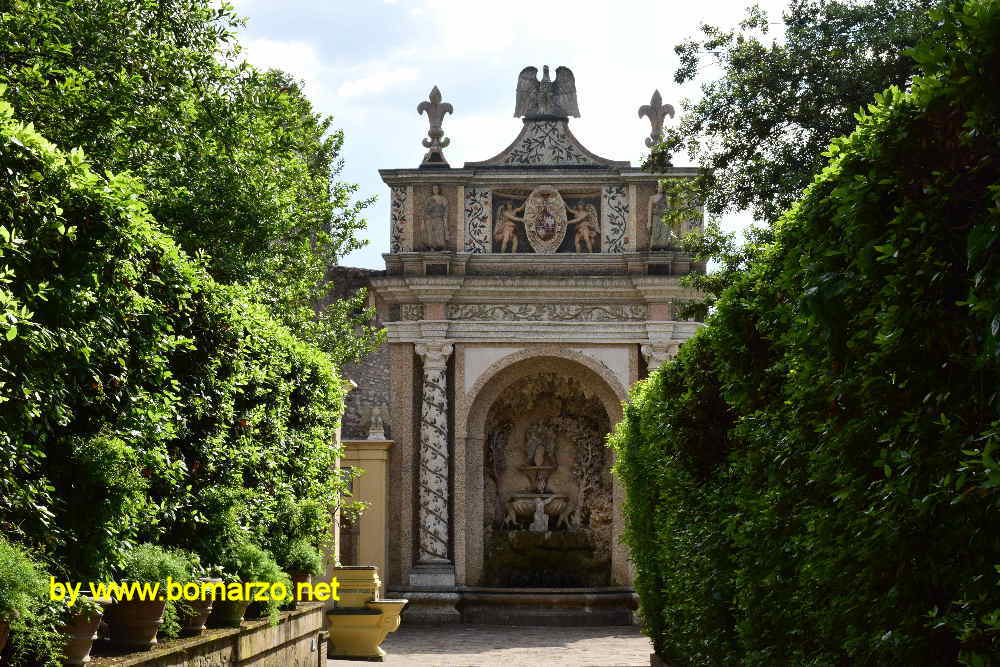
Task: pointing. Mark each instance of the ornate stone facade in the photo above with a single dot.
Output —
(511, 351)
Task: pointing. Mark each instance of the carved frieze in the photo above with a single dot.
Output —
(411, 311)
(546, 312)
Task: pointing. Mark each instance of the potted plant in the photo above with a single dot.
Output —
(22, 587)
(245, 562)
(194, 613)
(302, 562)
(80, 627)
(134, 623)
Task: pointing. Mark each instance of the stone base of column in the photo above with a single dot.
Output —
(429, 607)
(432, 575)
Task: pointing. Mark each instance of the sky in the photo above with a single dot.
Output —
(369, 63)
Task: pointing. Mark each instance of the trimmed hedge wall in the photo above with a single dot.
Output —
(139, 400)
(814, 479)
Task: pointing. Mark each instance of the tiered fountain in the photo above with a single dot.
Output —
(541, 503)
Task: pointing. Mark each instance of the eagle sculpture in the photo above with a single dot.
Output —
(546, 98)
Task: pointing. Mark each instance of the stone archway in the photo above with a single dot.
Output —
(570, 401)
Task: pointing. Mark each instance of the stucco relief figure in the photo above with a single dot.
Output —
(506, 227)
(588, 229)
(660, 233)
(436, 220)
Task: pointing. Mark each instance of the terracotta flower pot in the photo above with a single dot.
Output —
(195, 613)
(81, 631)
(228, 613)
(134, 623)
(255, 610)
(300, 578)
(4, 631)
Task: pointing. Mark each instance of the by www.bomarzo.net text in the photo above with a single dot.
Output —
(251, 591)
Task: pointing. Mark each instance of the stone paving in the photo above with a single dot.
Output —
(513, 646)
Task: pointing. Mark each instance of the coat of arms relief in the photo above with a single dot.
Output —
(546, 220)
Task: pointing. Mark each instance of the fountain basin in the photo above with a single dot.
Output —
(524, 503)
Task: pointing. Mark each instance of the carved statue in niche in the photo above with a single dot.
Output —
(436, 220)
(660, 232)
(588, 229)
(506, 227)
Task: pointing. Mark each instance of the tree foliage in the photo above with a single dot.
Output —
(235, 162)
(814, 480)
(759, 129)
(140, 400)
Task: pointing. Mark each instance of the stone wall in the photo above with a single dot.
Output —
(296, 641)
(371, 374)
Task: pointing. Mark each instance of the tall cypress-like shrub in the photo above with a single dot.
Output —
(814, 479)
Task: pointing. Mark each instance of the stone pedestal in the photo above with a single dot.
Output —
(430, 607)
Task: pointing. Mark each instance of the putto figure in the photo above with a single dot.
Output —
(506, 228)
(546, 99)
(587, 227)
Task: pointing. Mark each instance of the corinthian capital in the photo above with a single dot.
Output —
(434, 353)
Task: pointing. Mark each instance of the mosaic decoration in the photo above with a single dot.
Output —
(398, 221)
(434, 456)
(614, 219)
(545, 143)
(478, 221)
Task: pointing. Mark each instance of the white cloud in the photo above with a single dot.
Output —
(377, 82)
(301, 59)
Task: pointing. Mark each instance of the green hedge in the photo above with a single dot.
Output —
(139, 400)
(814, 479)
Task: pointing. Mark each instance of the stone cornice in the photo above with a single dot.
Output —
(529, 289)
(571, 332)
(516, 176)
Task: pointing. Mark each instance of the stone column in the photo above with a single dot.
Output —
(433, 538)
(431, 589)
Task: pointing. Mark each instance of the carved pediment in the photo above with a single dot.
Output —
(547, 143)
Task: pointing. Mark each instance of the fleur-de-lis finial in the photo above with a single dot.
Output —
(656, 111)
(436, 140)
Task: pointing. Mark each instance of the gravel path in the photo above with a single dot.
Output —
(512, 646)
